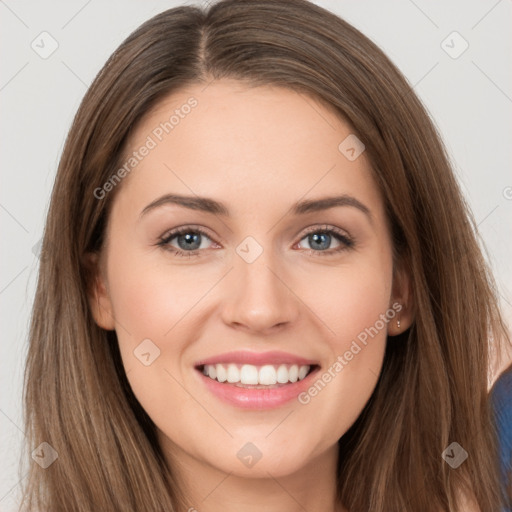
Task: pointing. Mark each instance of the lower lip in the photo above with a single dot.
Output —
(253, 398)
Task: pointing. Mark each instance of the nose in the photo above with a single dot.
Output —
(258, 296)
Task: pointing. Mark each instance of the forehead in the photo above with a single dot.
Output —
(251, 147)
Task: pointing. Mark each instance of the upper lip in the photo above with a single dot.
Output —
(256, 358)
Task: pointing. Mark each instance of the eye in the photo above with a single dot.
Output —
(321, 238)
(189, 241)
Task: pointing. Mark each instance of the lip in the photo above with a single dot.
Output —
(257, 398)
(256, 358)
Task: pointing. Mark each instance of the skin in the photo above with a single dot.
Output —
(258, 151)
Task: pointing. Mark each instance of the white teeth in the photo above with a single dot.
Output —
(233, 373)
(303, 371)
(222, 374)
(267, 375)
(282, 374)
(249, 374)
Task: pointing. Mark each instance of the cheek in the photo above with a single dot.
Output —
(153, 306)
(150, 300)
(349, 299)
(350, 302)
(351, 308)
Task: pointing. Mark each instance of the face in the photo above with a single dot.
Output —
(283, 298)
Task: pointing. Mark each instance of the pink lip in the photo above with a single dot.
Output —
(259, 399)
(256, 358)
(253, 398)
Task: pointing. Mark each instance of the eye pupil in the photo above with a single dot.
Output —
(191, 239)
(315, 239)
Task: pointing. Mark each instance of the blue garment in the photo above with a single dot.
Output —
(501, 399)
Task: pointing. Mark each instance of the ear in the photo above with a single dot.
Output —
(402, 301)
(97, 293)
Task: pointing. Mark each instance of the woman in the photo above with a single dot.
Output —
(199, 343)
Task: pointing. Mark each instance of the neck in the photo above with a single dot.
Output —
(208, 489)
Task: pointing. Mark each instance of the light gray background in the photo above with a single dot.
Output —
(469, 97)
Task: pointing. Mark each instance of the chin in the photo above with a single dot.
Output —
(259, 458)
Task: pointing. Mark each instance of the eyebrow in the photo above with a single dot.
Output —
(214, 207)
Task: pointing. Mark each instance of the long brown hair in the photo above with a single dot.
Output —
(433, 387)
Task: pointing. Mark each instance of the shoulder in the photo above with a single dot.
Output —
(504, 382)
(501, 401)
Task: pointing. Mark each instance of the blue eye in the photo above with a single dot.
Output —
(321, 239)
(189, 240)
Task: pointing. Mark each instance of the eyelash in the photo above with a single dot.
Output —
(346, 241)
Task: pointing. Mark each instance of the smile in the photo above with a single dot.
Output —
(251, 375)
(257, 381)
